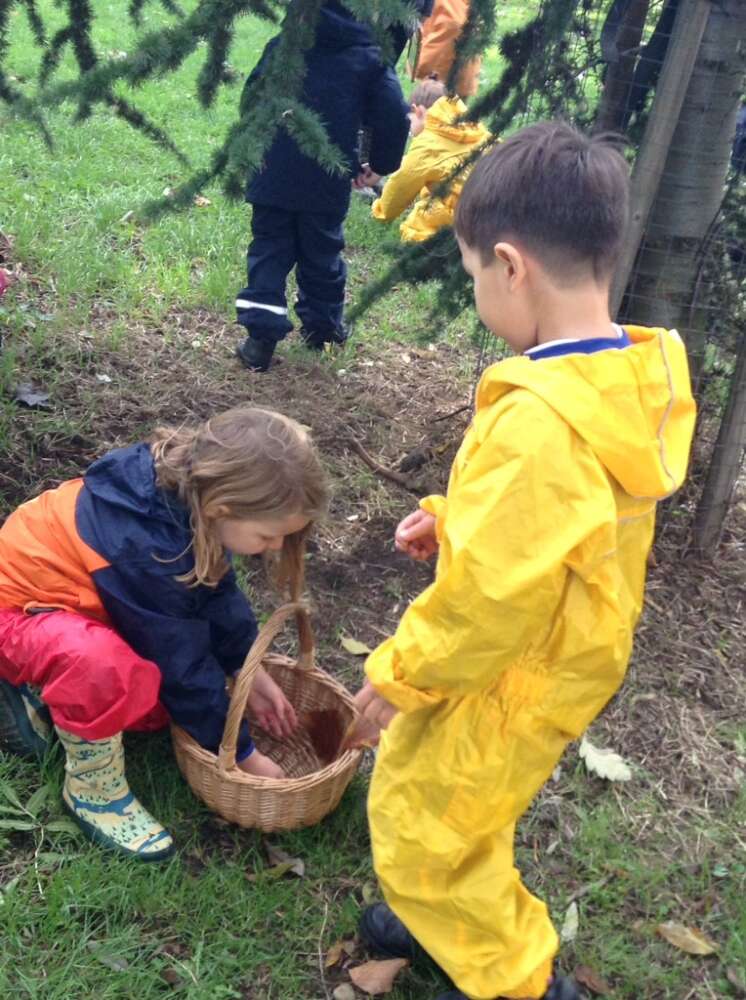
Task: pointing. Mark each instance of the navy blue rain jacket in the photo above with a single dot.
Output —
(197, 636)
(349, 86)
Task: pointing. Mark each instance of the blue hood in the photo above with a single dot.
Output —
(338, 29)
(125, 479)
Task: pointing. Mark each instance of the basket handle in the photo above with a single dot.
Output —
(245, 677)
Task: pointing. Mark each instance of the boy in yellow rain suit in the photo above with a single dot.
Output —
(439, 142)
(542, 543)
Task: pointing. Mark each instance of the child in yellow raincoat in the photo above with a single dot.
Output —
(542, 542)
(439, 142)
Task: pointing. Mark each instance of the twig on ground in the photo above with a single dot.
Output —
(391, 474)
(453, 413)
(322, 972)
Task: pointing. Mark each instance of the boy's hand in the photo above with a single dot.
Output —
(416, 536)
(270, 707)
(375, 714)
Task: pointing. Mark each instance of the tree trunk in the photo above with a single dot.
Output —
(725, 464)
(614, 103)
(664, 288)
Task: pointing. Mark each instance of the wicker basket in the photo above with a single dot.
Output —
(312, 789)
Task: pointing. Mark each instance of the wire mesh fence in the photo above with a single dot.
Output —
(669, 75)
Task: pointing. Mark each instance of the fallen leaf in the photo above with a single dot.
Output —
(344, 992)
(103, 379)
(370, 893)
(735, 978)
(339, 950)
(5, 889)
(686, 938)
(172, 977)
(200, 201)
(375, 978)
(127, 217)
(27, 395)
(592, 980)
(354, 647)
(281, 859)
(605, 763)
(570, 924)
(168, 192)
(114, 962)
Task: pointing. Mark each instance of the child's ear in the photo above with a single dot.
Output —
(216, 513)
(514, 262)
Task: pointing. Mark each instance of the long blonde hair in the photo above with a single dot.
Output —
(254, 463)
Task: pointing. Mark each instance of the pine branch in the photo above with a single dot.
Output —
(475, 36)
(35, 22)
(18, 103)
(136, 8)
(137, 119)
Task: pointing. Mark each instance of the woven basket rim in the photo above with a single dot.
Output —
(235, 775)
(206, 758)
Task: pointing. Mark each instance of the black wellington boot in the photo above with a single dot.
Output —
(256, 355)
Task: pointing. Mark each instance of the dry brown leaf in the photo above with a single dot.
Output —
(344, 992)
(280, 859)
(686, 938)
(375, 978)
(570, 924)
(354, 646)
(200, 201)
(592, 980)
(339, 950)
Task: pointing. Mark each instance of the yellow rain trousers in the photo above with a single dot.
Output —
(432, 157)
(521, 640)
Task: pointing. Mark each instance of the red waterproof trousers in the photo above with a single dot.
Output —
(93, 684)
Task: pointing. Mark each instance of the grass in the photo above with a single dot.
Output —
(149, 308)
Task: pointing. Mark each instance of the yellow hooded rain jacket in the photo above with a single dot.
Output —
(521, 640)
(431, 159)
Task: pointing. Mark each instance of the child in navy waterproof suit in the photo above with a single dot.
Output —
(298, 206)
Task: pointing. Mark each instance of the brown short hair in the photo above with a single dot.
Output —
(563, 195)
(428, 91)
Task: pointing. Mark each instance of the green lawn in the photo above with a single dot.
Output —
(150, 309)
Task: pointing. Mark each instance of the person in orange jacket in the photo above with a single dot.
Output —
(120, 608)
(542, 542)
(440, 141)
(437, 51)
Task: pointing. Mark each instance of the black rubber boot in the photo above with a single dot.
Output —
(25, 725)
(561, 989)
(256, 355)
(314, 340)
(384, 934)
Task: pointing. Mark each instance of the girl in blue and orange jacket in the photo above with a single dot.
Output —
(119, 608)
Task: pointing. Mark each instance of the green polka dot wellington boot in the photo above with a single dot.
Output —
(99, 799)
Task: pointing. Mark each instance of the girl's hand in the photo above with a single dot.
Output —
(375, 714)
(416, 536)
(366, 178)
(270, 707)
